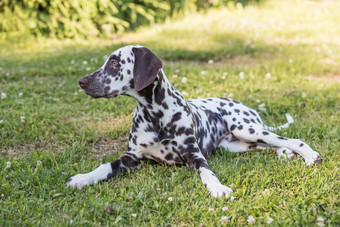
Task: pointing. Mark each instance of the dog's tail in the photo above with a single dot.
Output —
(290, 120)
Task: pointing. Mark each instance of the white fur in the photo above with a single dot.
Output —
(80, 180)
(215, 187)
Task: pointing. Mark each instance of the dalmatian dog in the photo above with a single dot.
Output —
(169, 129)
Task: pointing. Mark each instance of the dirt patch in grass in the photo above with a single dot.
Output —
(108, 147)
(22, 150)
(110, 124)
(327, 78)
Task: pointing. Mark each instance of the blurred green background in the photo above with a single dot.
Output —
(93, 18)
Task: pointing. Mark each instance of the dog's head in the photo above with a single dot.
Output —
(130, 67)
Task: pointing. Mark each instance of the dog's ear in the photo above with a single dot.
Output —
(147, 66)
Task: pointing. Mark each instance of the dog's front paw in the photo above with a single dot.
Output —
(220, 190)
(79, 181)
(314, 159)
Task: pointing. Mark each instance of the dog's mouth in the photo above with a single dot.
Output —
(110, 95)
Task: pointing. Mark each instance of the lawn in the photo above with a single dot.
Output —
(281, 55)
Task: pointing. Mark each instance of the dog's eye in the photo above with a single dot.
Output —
(114, 63)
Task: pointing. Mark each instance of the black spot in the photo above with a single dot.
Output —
(260, 141)
(237, 111)
(169, 156)
(265, 133)
(128, 71)
(128, 60)
(176, 117)
(190, 140)
(123, 61)
(240, 127)
(281, 138)
(234, 119)
(231, 104)
(252, 113)
(301, 144)
(246, 120)
(251, 130)
(246, 113)
(233, 127)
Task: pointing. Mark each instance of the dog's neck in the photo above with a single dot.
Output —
(153, 97)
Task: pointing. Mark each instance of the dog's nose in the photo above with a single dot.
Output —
(83, 82)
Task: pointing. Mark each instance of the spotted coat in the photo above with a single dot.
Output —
(170, 129)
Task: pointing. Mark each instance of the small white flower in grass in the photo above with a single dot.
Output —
(2, 196)
(177, 71)
(3, 95)
(290, 60)
(211, 82)
(105, 57)
(265, 192)
(184, 80)
(303, 95)
(224, 219)
(39, 163)
(268, 76)
(71, 222)
(134, 215)
(1, 68)
(22, 119)
(211, 209)
(75, 93)
(170, 199)
(232, 198)
(175, 76)
(88, 68)
(165, 193)
(210, 62)
(185, 93)
(262, 107)
(225, 208)
(231, 95)
(203, 72)
(241, 75)
(250, 96)
(258, 101)
(320, 219)
(72, 62)
(270, 220)
(317, 49)
(84, 62)
(20, 94)
(8, 165)
(7, 74)
(1, 121)
(251, 220)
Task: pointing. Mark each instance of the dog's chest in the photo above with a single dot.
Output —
(162, 154)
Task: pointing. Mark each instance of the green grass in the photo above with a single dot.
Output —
(296, 42)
